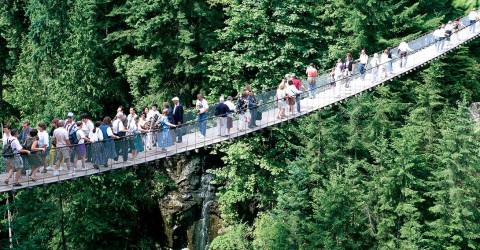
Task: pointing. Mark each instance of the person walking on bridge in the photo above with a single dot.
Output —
(35, 157)
(363, 63)
(132, 131)
(164, 139)
(281, 99)
(178, 118)
(242, 107)
(202, 108)
(71, 127)
(221, 112)
(292, 93)
(385, 62)
(348, 69)
(403, 50)
(98, 149)
(81, 148)
(12, 150)
(152, 117)
(337, 73)
(166, 105)
(120, 130)
(439, 35)
(62, 144)
(457, 26)
(252, 107)
(448, 32)
(108, 140)
(231, 107)
(473, 18)
(299, 86)
(43, 142)
(25, 132)
(87, 127)
(312, 80)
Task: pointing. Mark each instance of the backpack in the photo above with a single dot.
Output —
(72, 135)
(8, 150)
(241, 105)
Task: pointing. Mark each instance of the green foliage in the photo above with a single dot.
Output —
(160, 45)
(235, 238)
(101, 212)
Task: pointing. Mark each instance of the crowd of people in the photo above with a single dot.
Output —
(71, 142)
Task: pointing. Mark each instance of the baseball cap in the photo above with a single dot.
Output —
(70, 114)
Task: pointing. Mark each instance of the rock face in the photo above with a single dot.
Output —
(186, 210)
(475, 111)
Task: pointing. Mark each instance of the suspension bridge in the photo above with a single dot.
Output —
(327, 93)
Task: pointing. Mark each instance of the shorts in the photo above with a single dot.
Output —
(81, 150)
(63, 153)
(17, 162)
(291, 100)
(311, 80)
(403, 54)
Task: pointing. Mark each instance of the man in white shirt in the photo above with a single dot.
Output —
(62, 143)
(363, 63)
(202, 109)
(43, 142)
(472, 17)
(117, 125)
(403, 49)
(70, 126)
(87, 128)
(439, 35)
(119, 130)
(232, 108)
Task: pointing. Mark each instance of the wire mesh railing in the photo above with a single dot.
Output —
(159, 142)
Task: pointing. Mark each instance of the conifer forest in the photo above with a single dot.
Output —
(397, 167)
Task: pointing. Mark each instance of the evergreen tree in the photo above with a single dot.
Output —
(454, 185)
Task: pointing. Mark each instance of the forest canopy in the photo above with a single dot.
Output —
(397, 167)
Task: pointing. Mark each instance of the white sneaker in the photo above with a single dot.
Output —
(49, 168)
(61, 168)
(56, 173)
